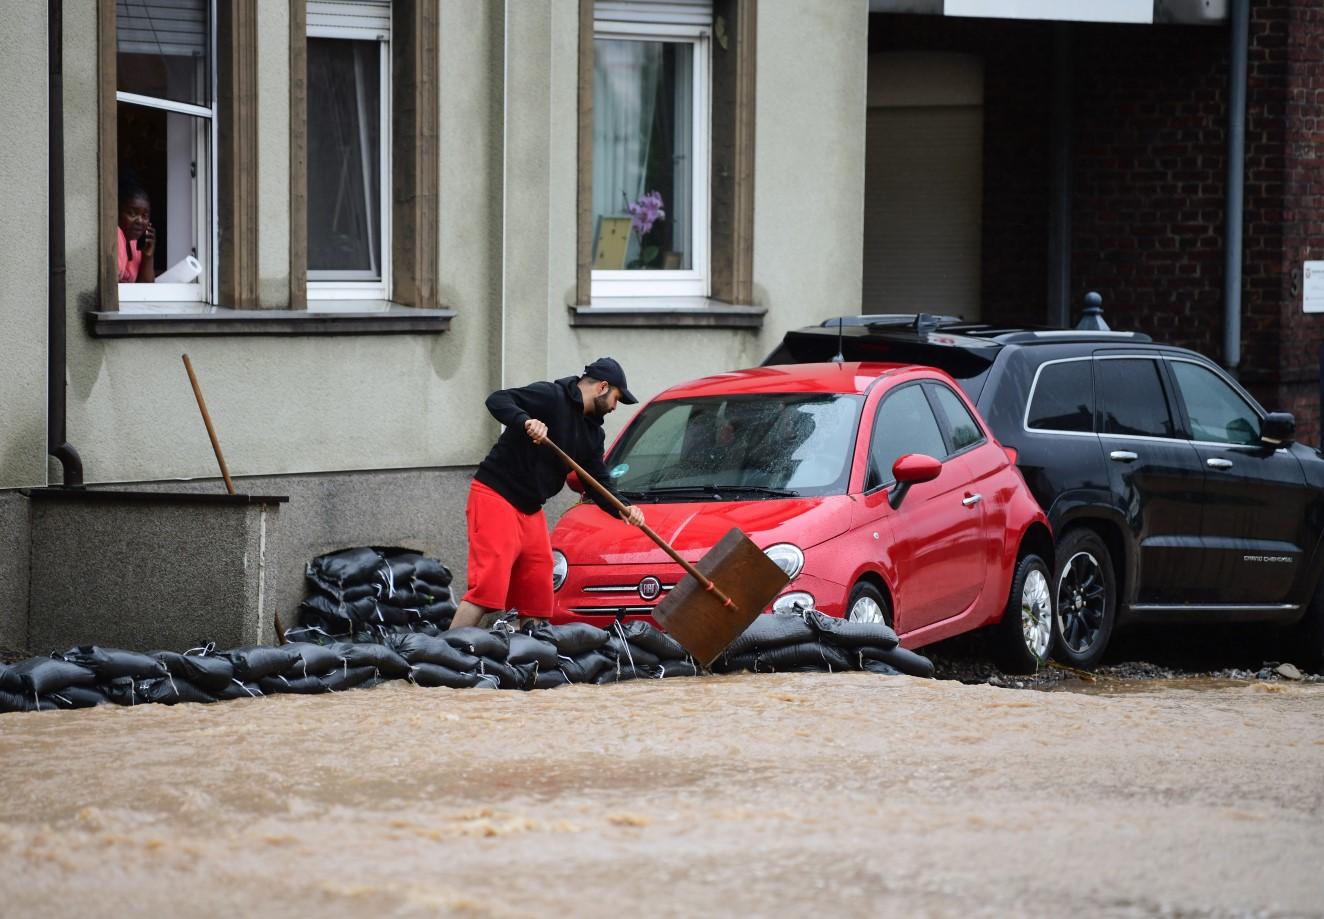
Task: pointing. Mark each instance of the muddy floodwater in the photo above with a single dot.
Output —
(777, 794)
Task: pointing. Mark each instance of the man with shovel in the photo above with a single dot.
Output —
(510, 550)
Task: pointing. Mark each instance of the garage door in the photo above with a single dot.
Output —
(923, 184)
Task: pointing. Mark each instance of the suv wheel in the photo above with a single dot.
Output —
(1025, 635)
(867, 604)
(1086, 594)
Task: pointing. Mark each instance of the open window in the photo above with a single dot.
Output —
(348, 142)
(165, 145)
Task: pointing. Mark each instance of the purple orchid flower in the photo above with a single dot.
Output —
(646, 211)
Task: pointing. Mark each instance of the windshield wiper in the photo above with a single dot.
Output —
(713, 491)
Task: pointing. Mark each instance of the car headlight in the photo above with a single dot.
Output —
(793, 603)
(787, 557)
(560, 568)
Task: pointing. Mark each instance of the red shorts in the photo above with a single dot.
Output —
(510, 555)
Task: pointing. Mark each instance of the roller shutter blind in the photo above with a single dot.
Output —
(166, 27)
(359, 19)
(675, 12)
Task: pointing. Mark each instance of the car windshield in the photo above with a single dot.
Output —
(738, 447)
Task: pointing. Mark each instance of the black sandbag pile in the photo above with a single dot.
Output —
(813, 641)
(368, 593)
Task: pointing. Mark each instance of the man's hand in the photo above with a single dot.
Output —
(536, 430)
(633, 516)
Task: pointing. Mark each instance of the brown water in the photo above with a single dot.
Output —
(753, 795)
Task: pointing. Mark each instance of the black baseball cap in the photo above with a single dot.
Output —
(609, 371)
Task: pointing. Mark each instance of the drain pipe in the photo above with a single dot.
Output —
(56, 443)
(1239, 28)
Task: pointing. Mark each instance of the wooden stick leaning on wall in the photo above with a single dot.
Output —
(206, 419)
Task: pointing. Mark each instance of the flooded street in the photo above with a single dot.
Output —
(778, 794)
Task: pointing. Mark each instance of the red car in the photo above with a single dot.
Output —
(876, 487)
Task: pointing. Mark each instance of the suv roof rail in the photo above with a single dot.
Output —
(1017, 338)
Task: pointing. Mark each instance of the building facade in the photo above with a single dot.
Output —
(367, 215)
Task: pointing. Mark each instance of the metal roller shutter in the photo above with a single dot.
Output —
(675, 12)
(360, 19)
(168, 27)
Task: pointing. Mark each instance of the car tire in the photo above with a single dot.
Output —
(1303, 642)
(866, 603)
(1024, 637)
(1085, 599)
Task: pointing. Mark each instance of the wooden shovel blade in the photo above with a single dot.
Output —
(697, 619)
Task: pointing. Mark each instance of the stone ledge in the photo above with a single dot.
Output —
(343, 319)
(666, 313)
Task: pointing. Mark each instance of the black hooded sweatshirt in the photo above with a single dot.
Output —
(527, 474)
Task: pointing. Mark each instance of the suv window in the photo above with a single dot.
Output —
(1215, 411)
(962, 429)
(904, 424)
(1131, 397)
(1063, 397)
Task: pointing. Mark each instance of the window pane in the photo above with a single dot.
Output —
(643, 156)
(1063, 399)
(965, 430)
(344, 158)
(1216, 412)
(163, 49)
(905, 424)
(1131, 394)
(159, 186)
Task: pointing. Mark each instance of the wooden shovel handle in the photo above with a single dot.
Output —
(616, 502)
(206, 419)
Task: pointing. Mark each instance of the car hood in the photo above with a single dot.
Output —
(588, 536)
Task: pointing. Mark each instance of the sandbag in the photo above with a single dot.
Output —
(382, 657)
(349, 566)
(439, 614)
(508, 677)
(676, 668)
(768, 631)
(851, 634)
(490, 643)
(78, 697)
(388, 614)
(436, 675)
(571, 639)
(339, 616)
(165, 690)
(586, 667)
(238, 690)
(108, 663)
(253, 662)
(313, 660)
(550, 679)
(435, 593)
(40, 675)
(397, 571)
(292, 683)
(209, 672)
(417, 649)
(656, 642)
(908, 662)
(813, 655)
(310, 633)
(349, 678)
(432, 572)
(525, 649)
(16, 702)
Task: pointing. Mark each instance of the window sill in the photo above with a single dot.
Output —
(665, 313)
(344, 317)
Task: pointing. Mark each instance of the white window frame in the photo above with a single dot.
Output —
(695, 281)
(359, 285)
(204, 190)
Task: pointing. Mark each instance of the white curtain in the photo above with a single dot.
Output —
(625, 90)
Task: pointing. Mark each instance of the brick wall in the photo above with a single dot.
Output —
(1149, 162)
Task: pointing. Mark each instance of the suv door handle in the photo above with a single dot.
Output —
(1215, 463)
(972, 500)
(1123, 456)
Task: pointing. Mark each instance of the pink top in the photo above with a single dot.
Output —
(130, 259)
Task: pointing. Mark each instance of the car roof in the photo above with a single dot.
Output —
(956, 332)
(847, 377)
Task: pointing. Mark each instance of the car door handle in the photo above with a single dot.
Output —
(1123, 456)
(1216, 463)
(972, 500)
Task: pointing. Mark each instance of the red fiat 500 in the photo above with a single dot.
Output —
(875, 487)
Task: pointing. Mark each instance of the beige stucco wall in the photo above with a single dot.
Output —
(506, 250)
(23, 264)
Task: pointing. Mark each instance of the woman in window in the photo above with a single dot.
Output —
(136, 237)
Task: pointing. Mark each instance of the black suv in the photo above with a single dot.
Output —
(1173, 496)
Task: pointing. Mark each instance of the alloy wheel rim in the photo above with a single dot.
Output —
(1081, 601)
(1037, 614)
(866, 610)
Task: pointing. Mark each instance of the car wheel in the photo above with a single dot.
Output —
(1085, 591)
(1025, 634)
(867, 604)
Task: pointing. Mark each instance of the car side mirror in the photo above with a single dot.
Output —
(1278, 429)
(572, 479)
(909, 470)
